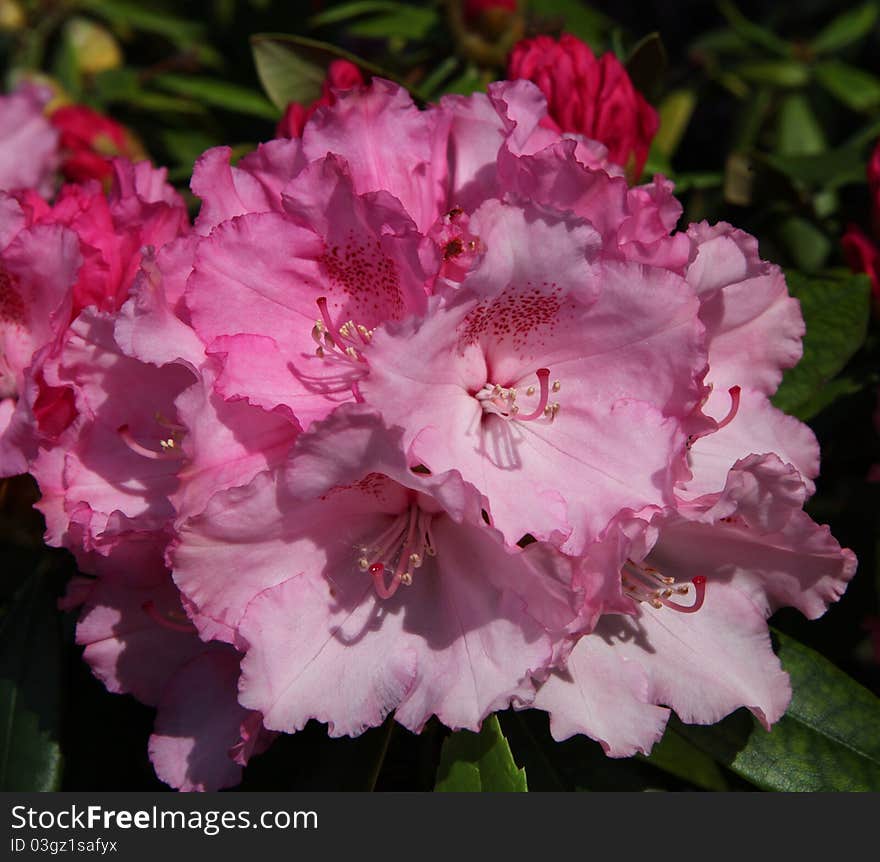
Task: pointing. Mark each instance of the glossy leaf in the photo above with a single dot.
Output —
(828, 740)
(479, 762)
(30, 687)
(836, 312)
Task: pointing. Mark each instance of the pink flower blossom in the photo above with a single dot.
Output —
(354, 566)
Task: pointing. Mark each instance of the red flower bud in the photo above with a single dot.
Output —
(594, 97)
(88, 141)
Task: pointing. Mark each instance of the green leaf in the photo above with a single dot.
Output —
(779, 73)
(829, 170)
(675, 113)
(845, 29)
(836, 312)
(578, 19)
(292, 68)
(479, 763)
(140, 17)
(646, 64)
(675, 755)
(751, 32)
(854, 87)
(376, 18)
(218, 94)
(828, 740)
(808, 246)
(30, 687)
(798, 130)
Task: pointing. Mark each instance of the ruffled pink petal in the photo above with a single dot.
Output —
(753, 327)
(37, 272)
(706, 664)
(198, 721)
(757, 428)
(756, 536)
(227, 443)
(253, 185)
(136, 638)
(360, 126)
(604, 695)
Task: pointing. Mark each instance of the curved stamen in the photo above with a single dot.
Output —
(643, 583)
(501, 400)
(543, 396)
(169, 447)
(699, 584)
(734, 393)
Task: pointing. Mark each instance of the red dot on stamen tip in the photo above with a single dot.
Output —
(699, 580)
(377, 568)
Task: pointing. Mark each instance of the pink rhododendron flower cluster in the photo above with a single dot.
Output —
(431, 414)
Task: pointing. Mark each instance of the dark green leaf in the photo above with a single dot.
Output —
(831, 169)
(856, 88)
(382, 19)
(836, 311)
(139, 16)
(218, 94)
(578, 19)
(646, 63)
(479, 762)
(30, 687)
(846, 29)
(675, 755)
(828, 740)
(751, 32)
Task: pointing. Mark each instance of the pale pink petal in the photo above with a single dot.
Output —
(706, 664)
(198, 721)
(227, 443)
(604, 695)
(753, 327)
(135, 638)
